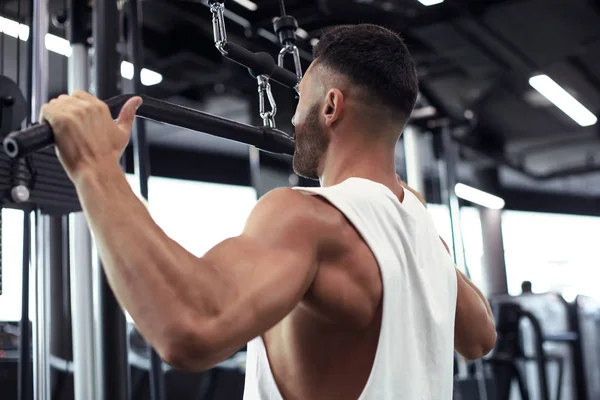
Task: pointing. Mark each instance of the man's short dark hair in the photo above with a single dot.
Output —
(375, 58)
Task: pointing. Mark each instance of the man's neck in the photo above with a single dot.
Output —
(376, 163)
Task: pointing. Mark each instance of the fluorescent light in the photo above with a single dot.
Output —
(62, 46)
(149, 77)
(430, 2)
(314, 42)
(478, 197)
(563, 100)
(14, 29)
(58, 45)
(248, 4)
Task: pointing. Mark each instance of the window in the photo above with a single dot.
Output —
(471, 234)
(555, 252)
(12, 264)
(197, 215)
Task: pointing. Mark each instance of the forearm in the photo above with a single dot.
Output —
(475, 332)
(150, 274)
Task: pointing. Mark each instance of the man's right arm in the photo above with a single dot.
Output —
(474, 326)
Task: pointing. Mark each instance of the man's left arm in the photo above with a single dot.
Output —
(196, 311)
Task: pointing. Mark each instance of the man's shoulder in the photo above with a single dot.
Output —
(298, 208)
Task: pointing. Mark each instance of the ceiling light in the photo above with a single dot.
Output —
(430, 2)
(62, 46)
(58, 45)
(248, 4)
(148, 77)
(478, 197)
(14, 29)
(563, 100)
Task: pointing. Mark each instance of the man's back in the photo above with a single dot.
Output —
(378, 320)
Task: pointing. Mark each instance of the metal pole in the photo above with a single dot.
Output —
(40, 294)
(40, 328)
(412, 157)
(86, 378)
(25, 337)
(447, 172)
(59, 299)
(39, 29)
(494, 271)
(85, 375)
(141, 156)
(112, 322)
(450, 159)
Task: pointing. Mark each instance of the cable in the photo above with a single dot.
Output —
(282, 8)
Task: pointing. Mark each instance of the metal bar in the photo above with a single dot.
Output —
(37, 137)
(41, 350)
(412, 157)
(40, 294)
(260, 64)
(60, 310)
(450, 161)
(112, 324)
(25, 336)
(540, 354)
(86, 379)
(141, 158)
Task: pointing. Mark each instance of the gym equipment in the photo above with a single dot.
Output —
(13, 111)
(34, 142)
(508, 350)
(37, 137)
(567, 333)
(258, 63)
(584, 317)
(13, 107)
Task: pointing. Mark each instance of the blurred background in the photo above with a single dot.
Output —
(513, 84)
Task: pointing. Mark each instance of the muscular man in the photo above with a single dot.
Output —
(341, 292)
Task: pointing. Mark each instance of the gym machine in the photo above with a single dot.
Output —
(100, 347)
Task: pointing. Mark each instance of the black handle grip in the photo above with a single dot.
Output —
(261, 64)
(29, 140)
(37, 137)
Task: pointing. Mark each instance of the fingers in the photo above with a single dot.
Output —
(127, 115)
(80, 102)
(85, 96)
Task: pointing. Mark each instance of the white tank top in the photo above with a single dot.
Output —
(414, 358)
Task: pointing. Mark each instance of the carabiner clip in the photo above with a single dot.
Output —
(264, 90)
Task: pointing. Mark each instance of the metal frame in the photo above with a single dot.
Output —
(39, 296)
(111, 322)
(86, 377)
(141, 156)
(412, 156)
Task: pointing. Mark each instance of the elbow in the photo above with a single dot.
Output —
(187, 349)
(483, 346)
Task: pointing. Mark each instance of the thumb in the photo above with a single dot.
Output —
(127, 114)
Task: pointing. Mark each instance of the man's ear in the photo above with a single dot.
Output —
(334, 106)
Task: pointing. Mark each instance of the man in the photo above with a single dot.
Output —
(341, 292)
